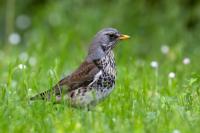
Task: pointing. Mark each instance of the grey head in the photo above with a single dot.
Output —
(103, 42)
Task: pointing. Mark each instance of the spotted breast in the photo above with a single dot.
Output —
(100, 87)
(94, 79)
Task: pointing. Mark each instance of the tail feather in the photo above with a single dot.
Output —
(42, 96)
(55, 92)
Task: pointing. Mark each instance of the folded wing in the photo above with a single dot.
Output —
(82, 77)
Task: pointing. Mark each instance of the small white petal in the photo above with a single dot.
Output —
(114, 119)
(176, 131)
(154, 64)
(23, 22)
(32, 61)
(172, 75)
(14, 83)
(14, 38)
(22, 66)
(29, 90)
(186, 61)
(54, 19)
(165, 49)
(23, 56)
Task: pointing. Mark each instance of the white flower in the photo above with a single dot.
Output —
(172, 75)
(14, 38)
(32, 61)
(54, 19)
(14, 83)
(114, 119)
(186, 61)
(176, 131)
(154, 64)
(164, 49)
(23, 56)
(22, 66)
(29, 90)
(23, 22)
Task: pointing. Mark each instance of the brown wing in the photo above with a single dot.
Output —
(81, 77)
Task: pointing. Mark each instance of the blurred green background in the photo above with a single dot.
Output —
(50, 27)
(51, 37)
(149, 22)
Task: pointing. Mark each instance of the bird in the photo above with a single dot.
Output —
(94, 79)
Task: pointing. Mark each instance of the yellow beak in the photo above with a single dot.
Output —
(123, 37)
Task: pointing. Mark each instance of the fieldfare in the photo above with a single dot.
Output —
(94, 79)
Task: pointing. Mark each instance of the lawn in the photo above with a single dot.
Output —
(158, 73)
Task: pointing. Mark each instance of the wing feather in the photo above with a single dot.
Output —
(82, 77)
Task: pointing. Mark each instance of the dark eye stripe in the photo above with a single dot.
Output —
(113, 36)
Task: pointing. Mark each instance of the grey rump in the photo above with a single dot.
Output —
(94, 79)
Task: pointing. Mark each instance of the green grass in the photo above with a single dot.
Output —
(145, 99)
(142, 101)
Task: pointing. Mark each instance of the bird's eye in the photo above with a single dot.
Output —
(112, 36)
